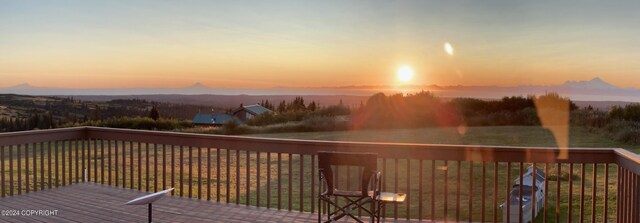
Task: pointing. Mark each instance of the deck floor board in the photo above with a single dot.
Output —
(91, 202)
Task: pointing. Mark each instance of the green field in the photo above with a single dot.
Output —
(492, 135)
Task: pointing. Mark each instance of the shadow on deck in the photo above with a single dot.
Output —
(90, 202)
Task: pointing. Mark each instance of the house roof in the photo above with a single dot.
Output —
(528, 176)
(253, 109)
(210, 119)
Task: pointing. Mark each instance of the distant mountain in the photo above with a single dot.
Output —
(593, 84)
(195, 89)
(595, 89)
(22, 86)
(198, 85)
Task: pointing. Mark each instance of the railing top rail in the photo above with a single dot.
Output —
(385, 150)
(36, 136)
(139, 133)
(628, 160)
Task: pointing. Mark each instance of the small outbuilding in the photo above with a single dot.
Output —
(207, 119)
(246, 112)
(532, 189)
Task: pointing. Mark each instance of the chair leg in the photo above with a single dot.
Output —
(372, 210)
(379, 209)
(328, 210)
(319, 210)
(325, 204)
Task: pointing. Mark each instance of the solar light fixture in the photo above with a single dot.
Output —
(149, 199)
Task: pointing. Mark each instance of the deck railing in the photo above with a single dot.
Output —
(443, 182)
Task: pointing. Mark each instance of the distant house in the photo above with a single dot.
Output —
(247, 112)
(240, 114)
(204, 119)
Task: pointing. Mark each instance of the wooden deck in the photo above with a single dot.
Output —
(90, 202)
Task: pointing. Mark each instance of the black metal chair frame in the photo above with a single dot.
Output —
(356, 200)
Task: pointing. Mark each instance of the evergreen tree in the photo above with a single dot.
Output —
(97, 114)
(296, 105)
(312, 106)
(154, 114)
(267, 104)
(282, 107)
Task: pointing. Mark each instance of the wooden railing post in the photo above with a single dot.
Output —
(2, 187)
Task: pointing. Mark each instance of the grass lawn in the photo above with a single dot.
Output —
(492, 135)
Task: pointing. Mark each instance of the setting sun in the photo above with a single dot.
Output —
(405, 73)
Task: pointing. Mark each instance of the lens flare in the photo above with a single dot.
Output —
(448, 48)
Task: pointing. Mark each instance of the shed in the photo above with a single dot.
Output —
(207, 119)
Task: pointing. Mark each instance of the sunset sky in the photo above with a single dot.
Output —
(120, 44)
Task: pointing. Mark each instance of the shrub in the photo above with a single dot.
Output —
(232, 127)
(630, 112)
(314, 124)
(137, 123)
(624, 131)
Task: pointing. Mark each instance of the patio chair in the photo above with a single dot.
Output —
(331, 190)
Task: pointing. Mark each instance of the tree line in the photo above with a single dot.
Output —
(31, 112)
(297, 104)
(34, 121)
(424, 109)
(621, 123)
(297, 110)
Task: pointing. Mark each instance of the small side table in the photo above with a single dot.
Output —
(389, 198)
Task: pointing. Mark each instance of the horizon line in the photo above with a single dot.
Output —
(27, 85)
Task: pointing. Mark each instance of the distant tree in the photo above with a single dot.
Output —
(267, 104)
(51, 122)
(296, 105)
(154, 114)
(231, 127)
(34, 122)
(97, 113)
(282, 107)
(630, 112)
(12, 125)
(312, 106)
(401, 111)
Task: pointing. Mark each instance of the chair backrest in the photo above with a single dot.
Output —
(367, 161)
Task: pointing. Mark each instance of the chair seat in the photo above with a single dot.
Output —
(384, 196)
(350, 193)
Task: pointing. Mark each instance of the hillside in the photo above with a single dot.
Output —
(230, 101)
(48, 111)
